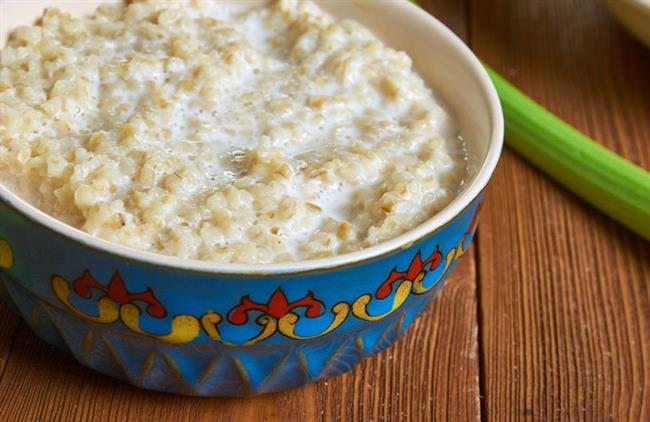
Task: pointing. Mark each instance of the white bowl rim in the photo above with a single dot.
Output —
(438, 221)
(645, 6)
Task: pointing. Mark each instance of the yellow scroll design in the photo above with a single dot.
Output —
(210, 321)
(108, 311)
(6, 255)
(184, 328)
(287, 324)
(360, 306)
(419, 288)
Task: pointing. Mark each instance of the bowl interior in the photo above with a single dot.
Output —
(634, 15)
(438, 61)
(439, 57)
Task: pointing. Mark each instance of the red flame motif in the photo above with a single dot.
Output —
(116, 291)
(416, 268)
(277, 307)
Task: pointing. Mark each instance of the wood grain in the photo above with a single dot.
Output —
(8, 327)
(431, 374)
(564, 291)
(573, 58)
(64, 390)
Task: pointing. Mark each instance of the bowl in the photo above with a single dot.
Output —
(634, 15)
(207, 329)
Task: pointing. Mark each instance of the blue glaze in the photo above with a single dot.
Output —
(243, 359)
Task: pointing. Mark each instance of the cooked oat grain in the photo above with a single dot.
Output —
(230, 134)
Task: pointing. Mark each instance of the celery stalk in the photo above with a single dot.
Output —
(615, 186)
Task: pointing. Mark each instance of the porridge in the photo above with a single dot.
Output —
(242, 134)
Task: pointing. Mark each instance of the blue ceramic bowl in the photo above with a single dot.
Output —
(207, 329)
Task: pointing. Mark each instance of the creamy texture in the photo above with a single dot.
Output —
(230, 134)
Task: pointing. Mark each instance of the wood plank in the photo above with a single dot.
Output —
(433, 371)
(9, 323)
(452, 13)
(431, 374)
(64, 390)
(564, 291)
(565, 306)
(571, 56)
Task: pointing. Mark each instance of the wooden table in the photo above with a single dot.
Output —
(547, 317)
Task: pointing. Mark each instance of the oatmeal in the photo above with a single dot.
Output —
(224, 133)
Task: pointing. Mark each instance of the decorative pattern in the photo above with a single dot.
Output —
(280, 309)
(409, 281)
(116, 291)
(98, 348)
(6, 255)
(117, 303)
(277, 315)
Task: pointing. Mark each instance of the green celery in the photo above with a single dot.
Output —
(616, 186)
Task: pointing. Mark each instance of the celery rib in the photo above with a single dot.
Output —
(609, 182)
(615, 186)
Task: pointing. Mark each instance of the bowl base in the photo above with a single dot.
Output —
(206, 370)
